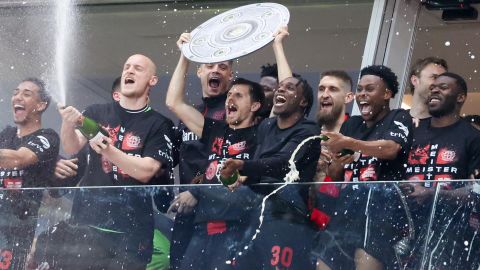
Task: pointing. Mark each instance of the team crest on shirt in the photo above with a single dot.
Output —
(131, 142)
(446, 156)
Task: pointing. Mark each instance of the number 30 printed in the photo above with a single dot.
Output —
(282, 256)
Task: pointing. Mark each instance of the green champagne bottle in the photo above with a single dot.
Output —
(343, 152)
(231, 179)
(91, 129)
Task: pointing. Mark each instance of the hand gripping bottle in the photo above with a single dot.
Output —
(343, 152)
(91, 129)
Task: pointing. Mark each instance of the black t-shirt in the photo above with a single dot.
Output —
(19, 208)
(192, 153)
(444, 153)
(45, 144)
(270, 163)
(217, 202)
(143, 133)
(395, 126)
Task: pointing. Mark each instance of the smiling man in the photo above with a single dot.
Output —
(445, 147)
(27, 159)
(138, 151)
(276, 247)
(383, 138)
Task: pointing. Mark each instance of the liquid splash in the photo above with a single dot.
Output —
(292, 176)
(65, 25)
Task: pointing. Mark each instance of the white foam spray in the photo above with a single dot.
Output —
(65, 21)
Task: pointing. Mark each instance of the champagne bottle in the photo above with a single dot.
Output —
(91, 129)
(231, 179)
(343, 152)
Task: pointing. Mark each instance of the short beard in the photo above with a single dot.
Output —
(447, 108)
(329, 119)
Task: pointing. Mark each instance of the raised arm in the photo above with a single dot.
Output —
(72, 140)
(284, 70)
(175, 100)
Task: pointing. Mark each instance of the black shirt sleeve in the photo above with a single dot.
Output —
(400, 129)
(45, 145)
(159, 144)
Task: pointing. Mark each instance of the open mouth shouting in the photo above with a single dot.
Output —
(129, 81)
(19, 111)
(326, 104)
(365, 108)
(279, 100)
(214, 82)
(231, 110)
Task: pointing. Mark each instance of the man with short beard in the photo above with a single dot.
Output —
(422, 75)
(334, 93)
(445, 148)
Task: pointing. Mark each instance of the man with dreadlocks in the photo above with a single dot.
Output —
(275, 247)
(365, 230)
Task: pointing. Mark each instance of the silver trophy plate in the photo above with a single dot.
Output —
(235, 33)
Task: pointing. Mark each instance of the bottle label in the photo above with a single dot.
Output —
(97, 137)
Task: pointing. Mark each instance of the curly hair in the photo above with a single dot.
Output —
(385, 73)
(269, 70)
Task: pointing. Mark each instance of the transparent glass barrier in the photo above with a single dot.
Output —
(210, 227)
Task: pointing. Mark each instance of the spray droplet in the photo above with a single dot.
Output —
(447, 43)
(12, 67)
(472, 56)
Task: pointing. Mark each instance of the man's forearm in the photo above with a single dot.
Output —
(176, 88)
(71, 140)
(284, 70)
(382, 149)
(140, 168)
(10, 159)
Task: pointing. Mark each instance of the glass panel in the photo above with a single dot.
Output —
(122, 226)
